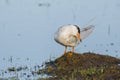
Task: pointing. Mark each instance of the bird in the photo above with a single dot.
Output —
(71, 35)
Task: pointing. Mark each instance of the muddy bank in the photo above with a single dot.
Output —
(82, 66)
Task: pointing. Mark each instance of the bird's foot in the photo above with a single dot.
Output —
(71, 54)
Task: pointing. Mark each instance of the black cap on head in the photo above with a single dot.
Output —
(78, 28)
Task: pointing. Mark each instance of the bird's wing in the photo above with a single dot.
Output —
(71, 39)
(86, 31)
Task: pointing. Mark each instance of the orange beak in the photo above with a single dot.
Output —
(78, 36)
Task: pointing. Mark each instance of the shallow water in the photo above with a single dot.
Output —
(27, 29)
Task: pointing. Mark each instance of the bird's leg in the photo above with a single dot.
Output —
(72, 49)
(65, 49)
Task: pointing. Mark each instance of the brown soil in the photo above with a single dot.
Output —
(86, 66)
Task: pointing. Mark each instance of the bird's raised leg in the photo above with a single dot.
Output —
(65, 49)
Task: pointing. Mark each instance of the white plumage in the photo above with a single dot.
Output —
(71, 35)
(66, 35)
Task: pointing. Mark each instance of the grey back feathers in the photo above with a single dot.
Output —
(86, 31)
